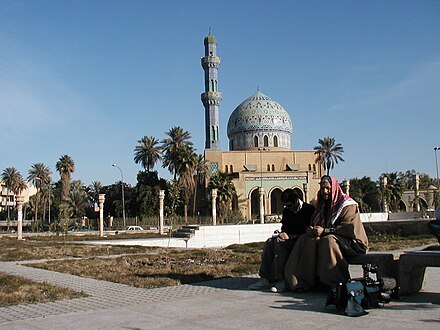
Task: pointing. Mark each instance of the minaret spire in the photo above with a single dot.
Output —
(211, 98)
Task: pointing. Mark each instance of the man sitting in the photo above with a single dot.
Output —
(296, 218)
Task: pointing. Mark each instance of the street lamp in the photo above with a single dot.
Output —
(261, 191)
(123, 200)
(436, 165)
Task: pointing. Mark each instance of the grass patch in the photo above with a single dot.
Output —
(145, 267)
(16, 290)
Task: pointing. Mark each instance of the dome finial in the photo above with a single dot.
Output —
(209, 31)
(258, 88)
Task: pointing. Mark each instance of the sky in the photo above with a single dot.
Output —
(89, 78)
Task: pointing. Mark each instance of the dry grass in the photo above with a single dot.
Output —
(16, 290)
(145, 266)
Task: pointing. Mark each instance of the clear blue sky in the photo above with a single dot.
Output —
(90, 78)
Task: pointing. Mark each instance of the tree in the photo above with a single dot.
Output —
(202, 173)
(393, 190)
(171, 146)
(186, 165)
(366, 193)
(225, 191)
(39, 174)
(328, 153)
(147, 153)
(77, 199)
(13, 180)
(65, 166)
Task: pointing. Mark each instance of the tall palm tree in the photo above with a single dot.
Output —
(186, 164)
(170, 147)
(328, 153)
(225, 191)
(13, 180)
(39, 175)
(202, 173)
(93, 191)
(148, 153)
(65, 166)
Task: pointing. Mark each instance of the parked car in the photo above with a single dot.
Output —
(76, 228)
(132, 228)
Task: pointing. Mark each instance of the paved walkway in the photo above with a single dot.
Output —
(220, 304)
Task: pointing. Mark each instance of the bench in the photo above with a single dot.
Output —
(412, 266)
(406, 267)
(387, 262)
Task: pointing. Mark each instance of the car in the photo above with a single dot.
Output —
(75, 228)
(132, 228)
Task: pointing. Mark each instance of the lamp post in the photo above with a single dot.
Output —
(123, 199)
(436, 165)
(261, 190)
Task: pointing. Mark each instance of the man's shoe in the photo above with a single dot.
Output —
(278, 287)
(261, 283)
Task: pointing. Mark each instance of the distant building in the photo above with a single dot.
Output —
(260, 158)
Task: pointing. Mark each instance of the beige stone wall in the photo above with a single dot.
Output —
(269, 169)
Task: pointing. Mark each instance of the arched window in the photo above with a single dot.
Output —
(314, 168)
(268, 167)
(275, 141)
(231, 168)
(255, 141)
(310, 167)
(273, 168)
(266, 141)
(226, 168)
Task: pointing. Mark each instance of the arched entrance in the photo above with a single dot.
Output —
(276, 206)
(255, 203)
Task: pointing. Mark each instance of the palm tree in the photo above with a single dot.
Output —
(393, 190)
(225, 191)
(148, 153)
(94, 190)
(171, 145)
(77, 199)
(13, 180)
(202, 173)
(39, 174)
(186, 161)
(65, 166)
(328, 153)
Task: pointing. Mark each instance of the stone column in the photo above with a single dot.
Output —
(161, 199)
(417, 193)
(384, 183)
(346, 186)
(261, 192)
(214, 203)
(306, 192)
(19, 201)
(101, 199)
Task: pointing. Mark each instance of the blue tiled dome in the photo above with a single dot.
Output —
(259, 121)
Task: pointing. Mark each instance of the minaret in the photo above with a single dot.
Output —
(211, 98)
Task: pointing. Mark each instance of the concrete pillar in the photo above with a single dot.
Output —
(261, 192)
(101, 199)
(161, 199)
(417, 193)
(306, 192)
(214, 203)
(384, 183)
(19, 201)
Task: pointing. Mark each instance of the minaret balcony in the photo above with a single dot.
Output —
(211, 98)
(210, 62)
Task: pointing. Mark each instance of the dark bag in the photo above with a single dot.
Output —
(348, 298)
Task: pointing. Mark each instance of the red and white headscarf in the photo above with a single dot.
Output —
(338, 201)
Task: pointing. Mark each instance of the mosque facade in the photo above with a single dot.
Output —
(260, 159)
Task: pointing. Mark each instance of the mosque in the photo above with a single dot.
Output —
(260, 158)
